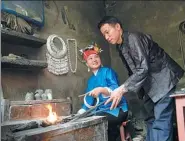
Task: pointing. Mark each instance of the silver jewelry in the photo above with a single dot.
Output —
(54, 51)
(69, 56)
(89, 106)
(57, 58)
(44, 96)
(38, 94)
(88, 69)
(29, 96)
(48, 92)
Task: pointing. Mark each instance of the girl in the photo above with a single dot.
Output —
(100, 85)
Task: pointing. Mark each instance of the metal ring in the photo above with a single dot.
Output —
(89, 106)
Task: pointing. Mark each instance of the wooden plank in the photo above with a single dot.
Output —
(177, 95)
(14, 37)
(22, 63)
(5, 104)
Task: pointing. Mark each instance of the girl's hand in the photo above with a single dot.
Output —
(95, 92)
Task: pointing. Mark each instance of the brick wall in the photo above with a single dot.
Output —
(22, 110)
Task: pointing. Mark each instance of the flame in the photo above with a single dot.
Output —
(52, 118)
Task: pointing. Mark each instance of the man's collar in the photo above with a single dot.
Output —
(124, 39)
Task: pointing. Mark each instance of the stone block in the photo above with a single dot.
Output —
(88, 136)
(87, 129)
(63, 137)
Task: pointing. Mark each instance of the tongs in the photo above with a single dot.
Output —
(85, 114)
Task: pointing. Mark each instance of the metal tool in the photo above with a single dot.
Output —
(78, 116)
(99, 111)
(84, 94)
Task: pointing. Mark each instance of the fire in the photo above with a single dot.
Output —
(52, 118)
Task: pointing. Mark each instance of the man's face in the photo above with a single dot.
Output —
(112, 33)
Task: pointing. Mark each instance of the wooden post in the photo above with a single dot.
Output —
(180, 114)
(5, 104)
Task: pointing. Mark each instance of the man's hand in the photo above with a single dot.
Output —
(115, 97)
(95, 92)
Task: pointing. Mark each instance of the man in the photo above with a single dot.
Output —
(151, 70)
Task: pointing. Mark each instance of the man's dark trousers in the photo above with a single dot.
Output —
(160, 122)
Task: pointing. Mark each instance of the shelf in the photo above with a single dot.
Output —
(14, 37)
(22, 63)
(39, 102)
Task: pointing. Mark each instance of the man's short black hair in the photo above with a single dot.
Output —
(109, 20)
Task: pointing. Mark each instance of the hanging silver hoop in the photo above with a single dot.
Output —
(52, 49)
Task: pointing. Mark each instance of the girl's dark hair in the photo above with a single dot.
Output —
(109, 20)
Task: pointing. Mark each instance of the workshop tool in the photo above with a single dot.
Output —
(78, 116)
(84, 94)
(96, 112)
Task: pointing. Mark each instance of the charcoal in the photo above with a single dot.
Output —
(45, 123)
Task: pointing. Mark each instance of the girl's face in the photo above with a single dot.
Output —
(93, 61)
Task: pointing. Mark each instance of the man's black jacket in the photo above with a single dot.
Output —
(149, 66)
